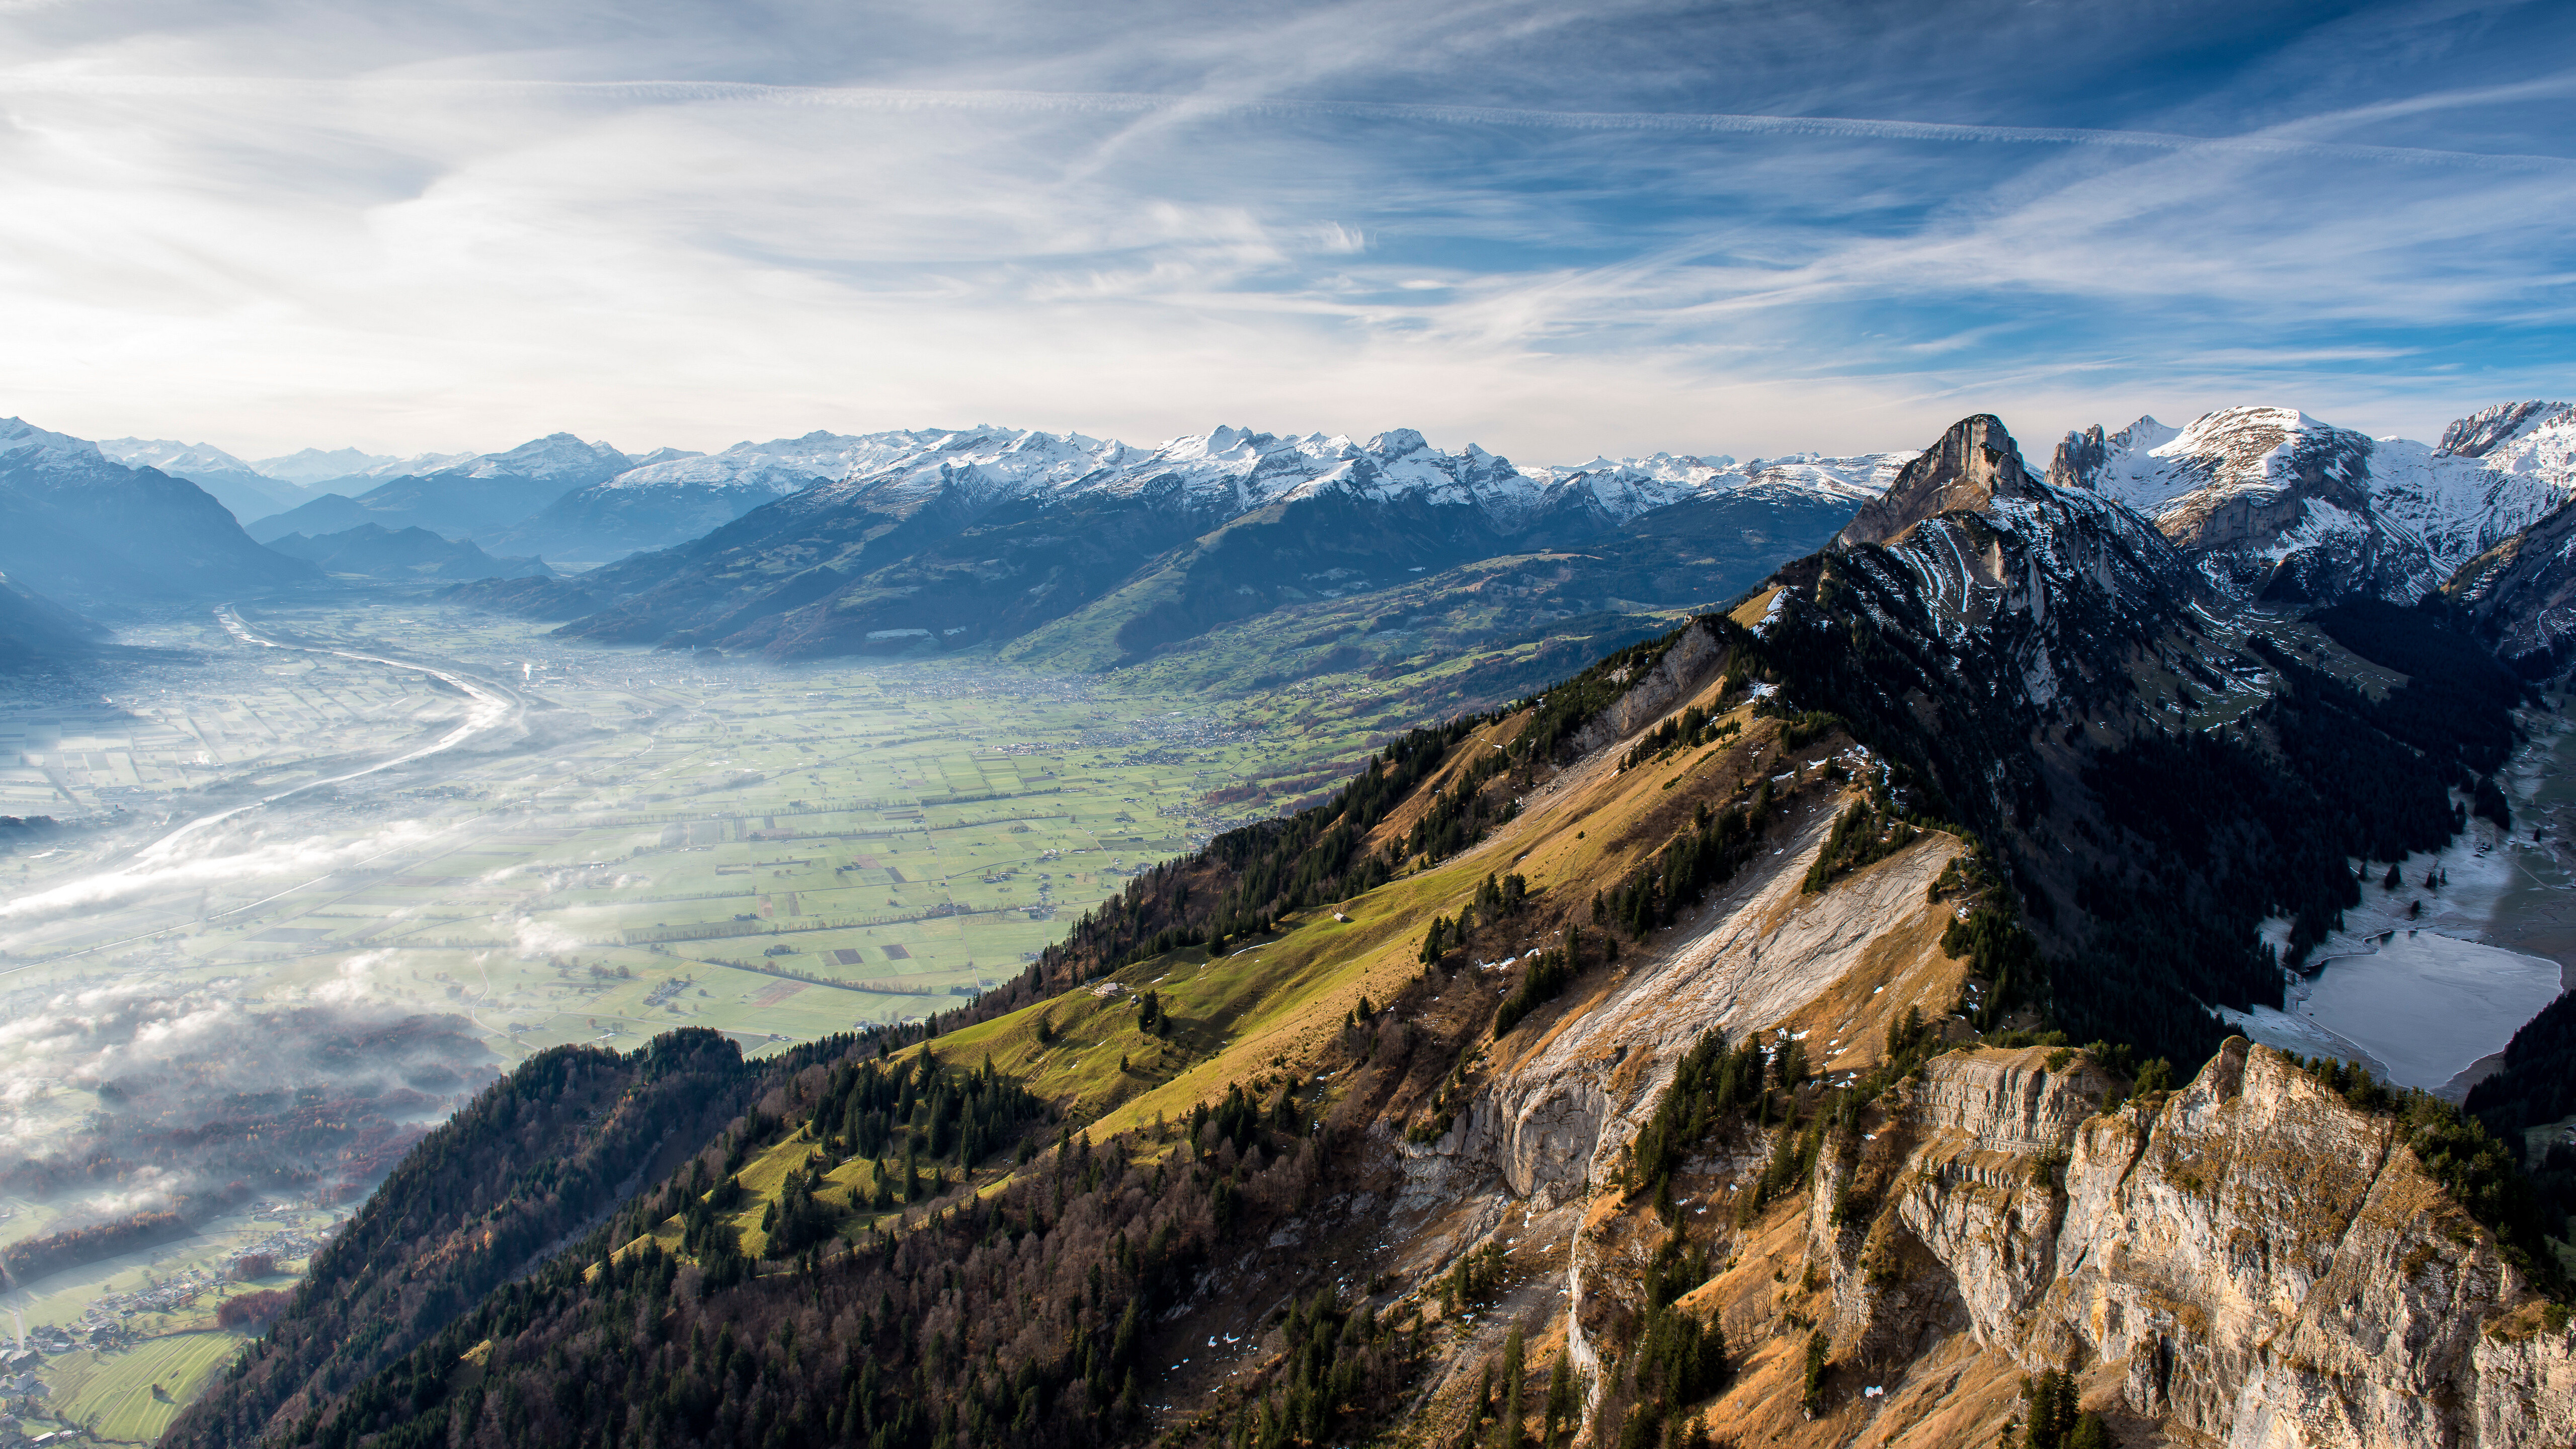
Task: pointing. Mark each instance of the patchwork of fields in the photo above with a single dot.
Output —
(656, 840)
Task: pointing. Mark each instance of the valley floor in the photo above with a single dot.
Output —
(609, 843)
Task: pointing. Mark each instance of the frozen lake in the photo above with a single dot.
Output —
(2428, 1006)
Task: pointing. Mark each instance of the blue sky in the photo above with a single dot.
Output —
(1557, 231)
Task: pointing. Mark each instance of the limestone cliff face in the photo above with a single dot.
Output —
(2251, 1261)
(1975, 463)
(1553, 1123)
(2523, 594)
(1694, 659)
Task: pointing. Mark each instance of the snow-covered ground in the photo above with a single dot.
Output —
(2428, 1006)
(2422, 997)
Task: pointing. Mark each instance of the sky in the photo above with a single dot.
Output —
(1558, 231)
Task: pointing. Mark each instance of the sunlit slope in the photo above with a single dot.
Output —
(1266, 1011)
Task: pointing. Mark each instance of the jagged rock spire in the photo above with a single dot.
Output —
(1975, 463)
(2079, 457)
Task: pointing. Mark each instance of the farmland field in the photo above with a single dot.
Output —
(113, 1394)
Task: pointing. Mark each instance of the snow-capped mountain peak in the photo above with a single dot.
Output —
(20, 439)
(1230, 470)
(315, 465)
(2271, 499)
(554, 456)
(181, 460)
(2482, 433)
(2146, 432)
(1398, 443)
(776, 468)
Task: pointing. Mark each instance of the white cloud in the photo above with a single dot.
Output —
(353, 982)
(78, 1039)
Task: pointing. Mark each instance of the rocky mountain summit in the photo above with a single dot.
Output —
(2273, 504)
(1974, 464)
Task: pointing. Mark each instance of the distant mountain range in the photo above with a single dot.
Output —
(237, 485)
(84, 529)
(316, 468)
(1095, 553)
(1086, 553)
(481, 495)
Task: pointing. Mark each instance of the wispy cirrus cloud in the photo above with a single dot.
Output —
(1743, 228)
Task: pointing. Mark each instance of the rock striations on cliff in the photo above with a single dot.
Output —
(2522, 592)
(2248, 1261)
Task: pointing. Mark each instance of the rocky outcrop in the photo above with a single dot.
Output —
(1558, 1121)
(1693, 660)
(2082, 457)
(2031, 597)
(1552, 1125)
(2250, 1260)
(1975, 463)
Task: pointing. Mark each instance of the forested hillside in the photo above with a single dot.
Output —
(539, 1157)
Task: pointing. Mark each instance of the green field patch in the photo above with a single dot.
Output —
(130, 1395)
(1231, 1018)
